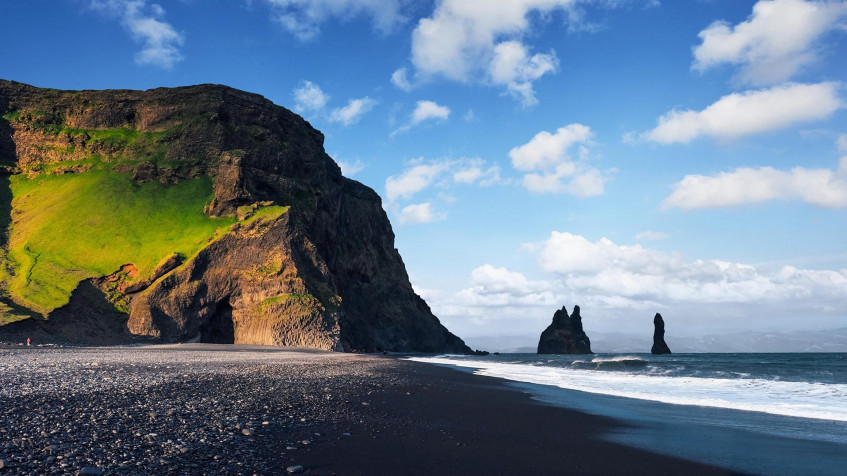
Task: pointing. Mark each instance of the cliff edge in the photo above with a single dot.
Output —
(199, 212)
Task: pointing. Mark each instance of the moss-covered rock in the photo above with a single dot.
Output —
(93, 182)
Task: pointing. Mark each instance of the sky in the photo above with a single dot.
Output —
(628, 156)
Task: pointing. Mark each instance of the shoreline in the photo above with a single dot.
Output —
(760, 441)
(237, 410)
(450, 421)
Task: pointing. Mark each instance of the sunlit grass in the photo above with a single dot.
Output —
(66, 228)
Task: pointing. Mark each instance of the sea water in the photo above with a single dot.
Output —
(755, 413)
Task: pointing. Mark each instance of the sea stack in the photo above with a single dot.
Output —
(565, 335)
(659, 345)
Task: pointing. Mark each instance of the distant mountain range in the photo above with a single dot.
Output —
(833, 340)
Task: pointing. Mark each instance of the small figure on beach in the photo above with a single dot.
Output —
(28, 342)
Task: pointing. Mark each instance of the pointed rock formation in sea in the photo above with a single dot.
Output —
(565, 335)
(659, 345)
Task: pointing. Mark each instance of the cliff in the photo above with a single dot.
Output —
(564, 335)
(199, 212)
(659, 345)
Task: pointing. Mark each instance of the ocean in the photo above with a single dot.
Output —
(752, 413)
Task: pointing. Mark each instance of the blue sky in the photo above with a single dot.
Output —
(629, 156)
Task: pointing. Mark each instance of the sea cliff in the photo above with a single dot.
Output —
(193, 213)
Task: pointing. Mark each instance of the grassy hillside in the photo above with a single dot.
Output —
(70, 227)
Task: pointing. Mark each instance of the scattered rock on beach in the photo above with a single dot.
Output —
(196, 399)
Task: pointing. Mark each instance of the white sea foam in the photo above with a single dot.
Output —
(825, 401)
(619, 358)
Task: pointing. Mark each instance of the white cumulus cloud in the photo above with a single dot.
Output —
(476, 171)
(842, 143)
(498, 294)
(420, 213)
(303, 18)
(819, 187)
(551, 166)
(425, 111)
(751, 112)
(513, 67)
(619, 286)
(413, 180)
(775, 43)
(634, 272)
(489, 279)
(308, 97)
(472, 42)
(353, 111)
(546, 150)
(400, 79)
(145, 22)
(435, 180)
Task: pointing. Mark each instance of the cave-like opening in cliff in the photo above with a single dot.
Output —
(219, 328)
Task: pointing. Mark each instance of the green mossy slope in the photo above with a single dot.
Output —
(71, 227)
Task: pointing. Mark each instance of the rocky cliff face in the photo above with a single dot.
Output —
(659, 345)
(301, 255)
(565, 335)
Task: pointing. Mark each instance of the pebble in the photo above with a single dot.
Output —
(170, 411)
(89, 471)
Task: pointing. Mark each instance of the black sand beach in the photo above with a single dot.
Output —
(205, 409)
(443, 421)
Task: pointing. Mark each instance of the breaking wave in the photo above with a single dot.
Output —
(623, 362)
(804, 399)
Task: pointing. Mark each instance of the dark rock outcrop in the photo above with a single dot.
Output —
(565, 335)
(324, 274)
(88, 318)
(659, 345)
